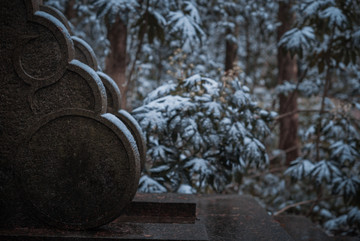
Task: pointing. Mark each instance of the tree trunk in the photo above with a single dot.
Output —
(287, 67)
(116, 60)
(231, 51)
(248, 69)
(70, 12)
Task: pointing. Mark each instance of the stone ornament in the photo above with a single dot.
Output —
(113, 105)
(64, 159)
(85, 54)
(77, 184)
(57, 14)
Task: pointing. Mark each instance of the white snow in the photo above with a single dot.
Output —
(186, 189)
(147, 184)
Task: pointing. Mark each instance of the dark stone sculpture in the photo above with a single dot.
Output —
(85, 54)
(63, 159)
(112, 91)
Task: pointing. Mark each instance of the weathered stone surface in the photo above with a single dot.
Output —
(79, 87)
(301, 229)
(84, 53)
(66, 176)
(225, 218)
(134, 224)
(63, 159)
(113, 106)
(112, 92)
(136, 131)
(114, 232)
(160, 208)
(57, 14)
(234, 217)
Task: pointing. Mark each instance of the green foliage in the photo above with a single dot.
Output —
(153, 24)
(326, 33)
(328, 170)
(201, 132)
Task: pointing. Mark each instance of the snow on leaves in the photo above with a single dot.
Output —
(325, 171)
(344, 151)
(186, 189)
(160, 91)
(213, 109)
(325, 33)
(351, 218)
(158, 152)
(200, 166)
(159, 18)
(262, 128)
(186, 24)
(297, 40)
(337, 174)
(190, 9)
(347, 186)
(203, 131)
(114, 8)
(147, 184)
(354, 215)
(241, 99)
(309, 87)
(311, 7)
(254, 151)
(285, 88)
(336, 223)
(335, 16)
(299, 168)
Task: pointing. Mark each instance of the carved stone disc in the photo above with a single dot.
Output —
(78, 171)
(136, 131)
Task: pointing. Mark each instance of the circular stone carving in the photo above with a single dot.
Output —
(43, 53)
(84, 53)
(78, 171)
(136, 131)
(113, 93)
(40, 57)
(56, 13)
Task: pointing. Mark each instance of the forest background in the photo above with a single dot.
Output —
(235, 96)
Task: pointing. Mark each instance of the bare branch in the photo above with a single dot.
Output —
(295, 112)
(293, 205)
(318, 199)
(322, 111)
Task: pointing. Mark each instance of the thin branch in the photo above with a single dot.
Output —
(140, 44)
(293, 205)
(282, 116)
(297, 111)
(302, 77)
(290, 149)
(317, 200)
(322, 111)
